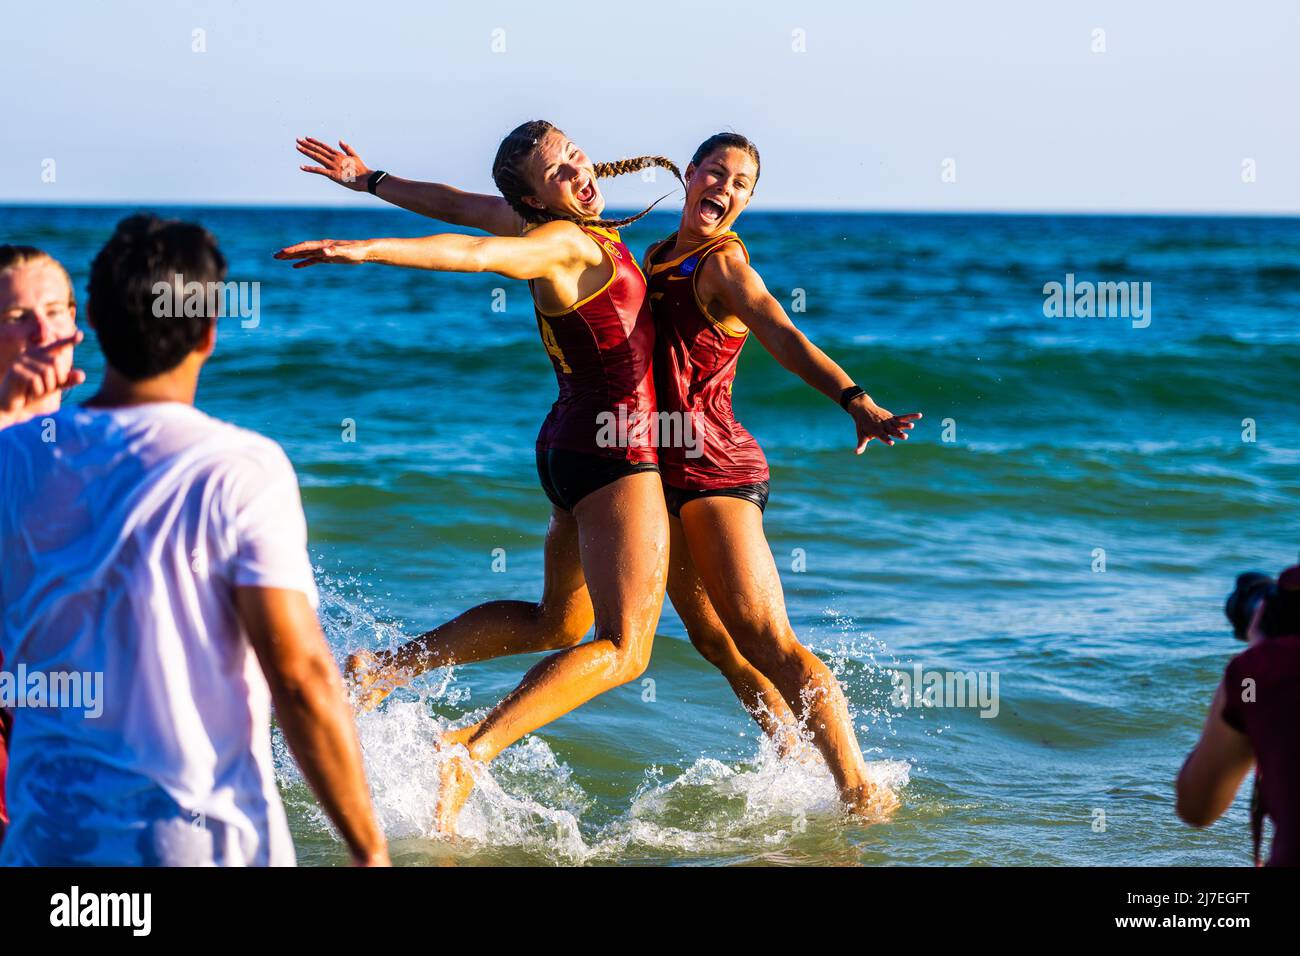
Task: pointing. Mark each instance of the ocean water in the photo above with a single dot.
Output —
(1050, 445)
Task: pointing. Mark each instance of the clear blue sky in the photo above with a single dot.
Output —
(864, 118)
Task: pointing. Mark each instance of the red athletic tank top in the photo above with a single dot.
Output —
(602, 349)
(695, 365)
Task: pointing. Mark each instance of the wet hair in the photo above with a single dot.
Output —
(508, 171)
(13, 257)
(728, 141)
(144, 252)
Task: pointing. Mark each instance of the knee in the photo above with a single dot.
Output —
(566, 624)
(631, 656)
(770, 646)
(713, 645)
(635, 665)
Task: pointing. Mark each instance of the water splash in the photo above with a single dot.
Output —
(528, 798)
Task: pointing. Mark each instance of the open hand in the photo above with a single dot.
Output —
(315, 251)
(344, 168)
(872, 421)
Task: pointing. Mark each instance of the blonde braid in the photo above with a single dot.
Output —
(508, 172)
(618, 168)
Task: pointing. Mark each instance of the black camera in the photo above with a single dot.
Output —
(1280, 597)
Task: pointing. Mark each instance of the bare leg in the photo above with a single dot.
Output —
(494, 629)
(727, 544)
(757, 694)
(623, 540)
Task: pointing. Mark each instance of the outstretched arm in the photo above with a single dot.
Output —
(434, 200)
(544, 253)
(731, 286)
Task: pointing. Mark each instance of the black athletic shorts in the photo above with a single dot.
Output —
(569, 476)
(676, 497)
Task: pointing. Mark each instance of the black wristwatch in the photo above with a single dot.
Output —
(374, 179)
(849, 394)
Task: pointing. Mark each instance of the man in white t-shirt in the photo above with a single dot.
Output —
(156, 598)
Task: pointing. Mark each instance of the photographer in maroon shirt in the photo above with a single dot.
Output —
(1254, 720)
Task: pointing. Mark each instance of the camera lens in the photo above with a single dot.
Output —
(1242, 602)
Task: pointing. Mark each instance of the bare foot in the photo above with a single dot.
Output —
(368, 680)
(871, 802)
(455, 780)
(786, 739)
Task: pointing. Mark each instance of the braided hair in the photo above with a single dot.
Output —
(509, 174)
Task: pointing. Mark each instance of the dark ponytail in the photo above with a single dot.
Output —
(728, 141)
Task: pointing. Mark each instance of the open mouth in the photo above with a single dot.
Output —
(587, 193)
(711, 211)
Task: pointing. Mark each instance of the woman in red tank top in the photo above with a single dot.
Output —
(722, 580)
(607, 544)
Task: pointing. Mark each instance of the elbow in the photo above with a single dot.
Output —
(1190, 806)
(1192, 815)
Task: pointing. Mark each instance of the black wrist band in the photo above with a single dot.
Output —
(374, 179)
(849, 394)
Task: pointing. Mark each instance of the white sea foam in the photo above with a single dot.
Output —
(529, 799)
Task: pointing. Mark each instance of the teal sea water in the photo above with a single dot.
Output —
(975, 554)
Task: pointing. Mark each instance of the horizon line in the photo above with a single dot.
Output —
(776, 209)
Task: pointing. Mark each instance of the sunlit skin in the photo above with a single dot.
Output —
(726, 587)
(1210, 777)
(38, 332)
(606, 562)
(750, 590)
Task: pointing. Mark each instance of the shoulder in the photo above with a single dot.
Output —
(728, 268)
(244, 452)
(19, 438)
(655, 248)
(731, 255)
(1275, 657)
(569, 236)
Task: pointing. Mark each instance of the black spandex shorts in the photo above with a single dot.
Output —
(676, 497)
(569, 476)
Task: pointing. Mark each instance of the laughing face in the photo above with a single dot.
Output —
(564, 179)
(718, 191)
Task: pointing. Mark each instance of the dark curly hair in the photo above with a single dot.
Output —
(144, 253)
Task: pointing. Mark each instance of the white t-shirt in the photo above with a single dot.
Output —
(122, 541)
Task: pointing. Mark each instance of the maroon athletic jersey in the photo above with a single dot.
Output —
(602, 349)
(695, 365)
(1270, 719)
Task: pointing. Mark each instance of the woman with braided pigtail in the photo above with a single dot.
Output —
(706, 299)
(607, 544)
